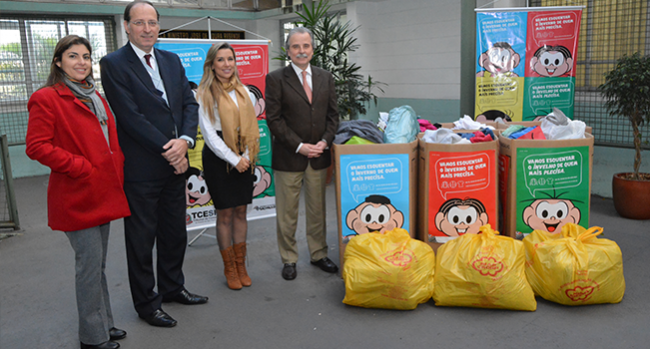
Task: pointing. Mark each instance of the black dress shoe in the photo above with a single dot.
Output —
(105, 345)
(159, 319)
(116, 333)
(184, 297)
(326, 264)
(289, 271)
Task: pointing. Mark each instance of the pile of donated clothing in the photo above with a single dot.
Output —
(400, 125)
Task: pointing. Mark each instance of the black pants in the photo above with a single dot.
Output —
(157, 216)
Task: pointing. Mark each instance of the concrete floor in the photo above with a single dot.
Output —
(37, 301)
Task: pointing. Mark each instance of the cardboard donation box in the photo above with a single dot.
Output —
(544, 184)
(376, 189)
(458, 190)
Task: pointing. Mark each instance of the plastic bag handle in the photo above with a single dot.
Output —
(589, 233)
(488, 231)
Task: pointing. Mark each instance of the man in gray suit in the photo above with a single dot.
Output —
(303, 117)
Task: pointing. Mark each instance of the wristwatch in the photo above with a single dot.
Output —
(189, 144)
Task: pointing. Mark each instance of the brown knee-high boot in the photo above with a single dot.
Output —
(230, 268)
(240, 257)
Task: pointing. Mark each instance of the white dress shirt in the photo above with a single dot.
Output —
(209, 131)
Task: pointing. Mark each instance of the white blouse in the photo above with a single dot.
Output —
(209, 131)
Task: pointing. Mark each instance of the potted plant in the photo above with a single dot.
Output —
(627, 94)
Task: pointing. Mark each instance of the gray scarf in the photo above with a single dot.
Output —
(85, 92)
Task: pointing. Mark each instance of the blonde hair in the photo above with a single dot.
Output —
(209, 79)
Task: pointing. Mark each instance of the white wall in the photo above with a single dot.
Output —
(412, 45)
(270, 28)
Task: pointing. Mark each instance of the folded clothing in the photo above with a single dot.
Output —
(426, 125)
(512, 129)
(467, 123)
(483, 135)
(365, 129)
(534, 132)
(443, 136)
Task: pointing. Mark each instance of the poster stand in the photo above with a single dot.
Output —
(208, 19)
(201, 233)
(252, 65)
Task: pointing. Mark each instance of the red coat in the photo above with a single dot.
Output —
(86, 183)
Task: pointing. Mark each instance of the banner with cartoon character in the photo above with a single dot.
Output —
(252, 66)
(544, 184)
(376, 189)
(263, 205)
(552, 188)
(457, 190)
(462, 193)
(374, 193)
(526, 62)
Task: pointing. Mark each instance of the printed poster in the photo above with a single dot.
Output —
(552, 188)
(526, 62)
(252, 66)
(252, 63)
(462, 193)
(374, 193)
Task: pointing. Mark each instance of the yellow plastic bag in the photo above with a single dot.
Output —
(389, 271)
(574, 267)
(483, 270)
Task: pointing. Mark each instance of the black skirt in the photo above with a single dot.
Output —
(228, 188)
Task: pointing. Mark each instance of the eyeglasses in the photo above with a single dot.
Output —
(142, 23)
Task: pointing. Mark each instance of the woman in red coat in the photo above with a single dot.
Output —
(72, 131)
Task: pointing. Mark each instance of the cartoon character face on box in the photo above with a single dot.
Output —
(500, 59)
(551, 214)
(552, 61)
(458, 217)
(261, 180)
(196, 190)
(375, 214)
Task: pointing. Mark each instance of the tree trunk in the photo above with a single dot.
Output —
(637, 147)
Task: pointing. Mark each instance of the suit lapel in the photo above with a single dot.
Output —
(294, 82)
(141, 72)
(138, 68)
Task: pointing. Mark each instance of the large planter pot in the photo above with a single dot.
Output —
(631, 198)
